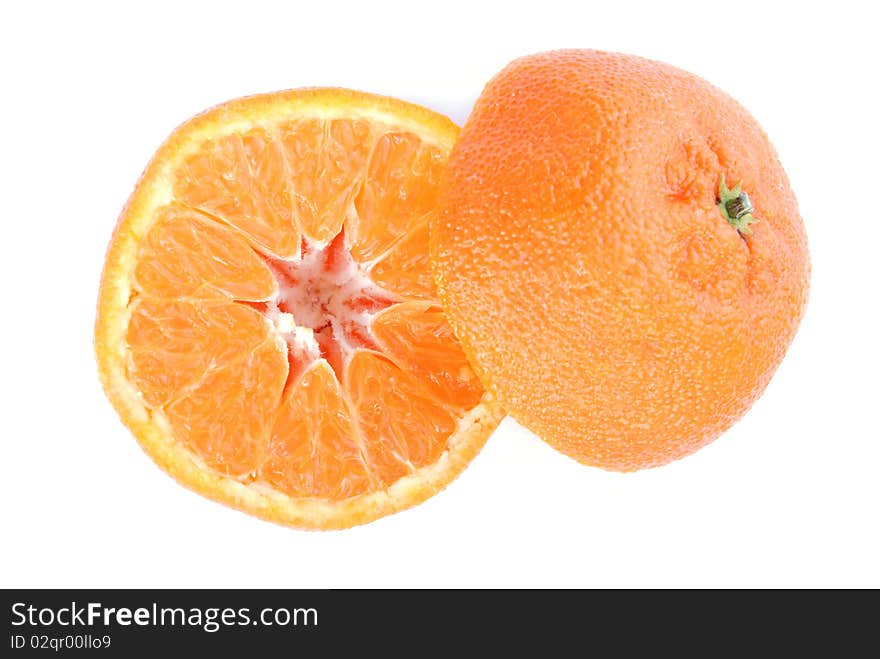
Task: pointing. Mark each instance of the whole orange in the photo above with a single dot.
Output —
(614, 289)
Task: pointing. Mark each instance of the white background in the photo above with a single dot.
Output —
(788, 497)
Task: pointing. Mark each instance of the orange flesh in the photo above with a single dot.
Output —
(284, 318)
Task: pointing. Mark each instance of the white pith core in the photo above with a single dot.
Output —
(324, 305)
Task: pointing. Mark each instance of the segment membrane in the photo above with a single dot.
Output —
(313, 449)
(417, 337)
(226, 418)
(400, 189)
(172, 345)
(243, 179)
(327, 163)
(405, 268)
(187, 255)
(403, 427)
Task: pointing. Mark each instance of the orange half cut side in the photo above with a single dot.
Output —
(267, 324)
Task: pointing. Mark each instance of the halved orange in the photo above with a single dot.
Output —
(267, 323)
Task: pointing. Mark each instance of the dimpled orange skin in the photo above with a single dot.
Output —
(584, 265)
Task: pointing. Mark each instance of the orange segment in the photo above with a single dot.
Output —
(226, 417)
(417, 337)
(243, 179)
(400, 188)
(327, 162)
(187, 255)
(313, 449)
(405, 269)
(173, 344)
(250, 329)
(403, 426)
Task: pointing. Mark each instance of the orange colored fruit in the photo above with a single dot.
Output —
(610, 290)
(267, 324)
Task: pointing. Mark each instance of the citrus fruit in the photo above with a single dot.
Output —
(620, 254)
(267, 322)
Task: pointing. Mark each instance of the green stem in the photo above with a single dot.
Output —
(736, 207)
